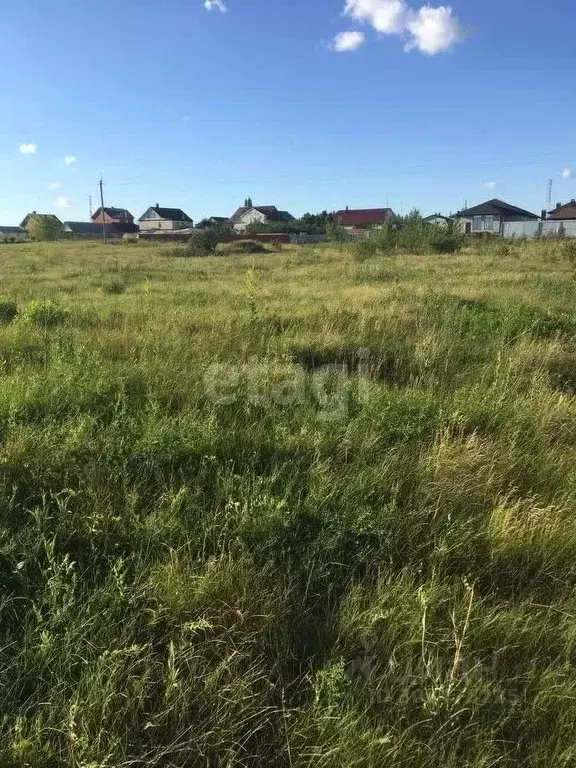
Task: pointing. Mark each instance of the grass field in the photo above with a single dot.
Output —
(297, 510)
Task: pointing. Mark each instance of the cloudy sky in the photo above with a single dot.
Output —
(305, 105)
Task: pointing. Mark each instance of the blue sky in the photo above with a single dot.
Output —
(183, 104)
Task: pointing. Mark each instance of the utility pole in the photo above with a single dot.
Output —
(90, 205)
(550, 188)
(102, 209)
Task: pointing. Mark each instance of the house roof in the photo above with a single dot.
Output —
(563, 212)
(93, 228)
(435, 216)
(115, 213)
(362, 217)
(35, 215)
(270, 211)
(168, 214)
(12, 231)
(496, 207)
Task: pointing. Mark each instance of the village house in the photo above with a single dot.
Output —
(258, 214)
(85, 230)
(112, 216)
(436, 218)
(28, 218)
(560, 221)
(566, 212)
(164, 219)
(492, 216)
(363, 218)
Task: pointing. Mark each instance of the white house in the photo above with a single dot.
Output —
(168, 219)
(258, 214)
(492, 216)
(436, 218)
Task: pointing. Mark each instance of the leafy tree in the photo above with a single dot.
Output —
(248, 202)
(310, 224)
(41, 228)
(221, 228)
(315, 223)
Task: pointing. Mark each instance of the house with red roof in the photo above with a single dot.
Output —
(363, 218)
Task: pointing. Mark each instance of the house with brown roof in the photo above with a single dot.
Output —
(112, 216)
(164, 219)
(491, 216)
(257, 214)
(363, 218)
(560, 221)
(566, 212)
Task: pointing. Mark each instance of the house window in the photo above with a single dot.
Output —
(489, 222)
(476, 223)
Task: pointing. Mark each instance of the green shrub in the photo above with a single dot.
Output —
(8, 310)
(386, 239)
(114, 286)
(243, 246)
(46, 313)
(445, 241)
(202, 244)
(364, 248)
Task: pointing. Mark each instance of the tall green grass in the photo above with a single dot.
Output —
(287, 510)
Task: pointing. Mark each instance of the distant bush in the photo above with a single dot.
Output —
(242, 246)
(446, 241)
(46, 313)
(202, 244)
(8, 310)
(364, 248)
(130, 239)
(410, 234)
(335, 233)
(114, 286)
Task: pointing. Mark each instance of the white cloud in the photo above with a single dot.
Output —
(28, 149)
(62, 202)
(386, 16)
(491, 184)
(215, 5)
(55, 185)
(434, 30)
(567, 173)
(348, 41)
(429, 29)
(70, 159)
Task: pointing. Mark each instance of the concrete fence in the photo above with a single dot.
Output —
(304, 239)
(533, 229)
